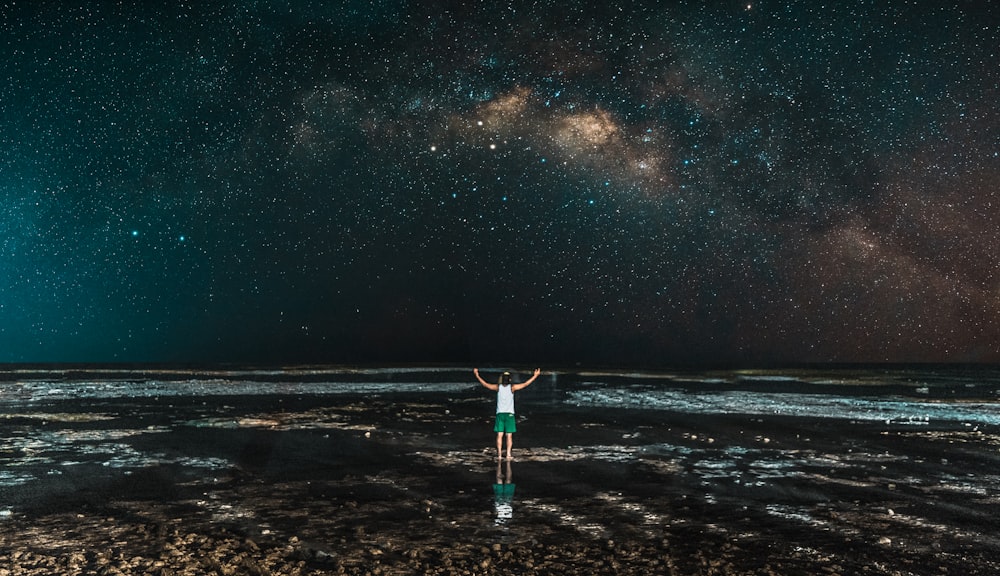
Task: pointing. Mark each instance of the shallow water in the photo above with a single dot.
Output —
(793, 465)
(61, 419)
(32, 384)
(885, 409)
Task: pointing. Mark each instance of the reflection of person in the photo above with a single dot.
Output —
(503, 495)
(505, 424)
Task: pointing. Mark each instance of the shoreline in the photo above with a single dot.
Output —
(396, 483)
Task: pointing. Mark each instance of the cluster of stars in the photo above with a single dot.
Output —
(394, 182)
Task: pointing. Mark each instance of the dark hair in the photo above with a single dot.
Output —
(505, 379)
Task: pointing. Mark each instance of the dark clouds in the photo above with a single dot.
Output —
(401, 181)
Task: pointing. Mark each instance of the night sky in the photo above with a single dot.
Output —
(634, 184)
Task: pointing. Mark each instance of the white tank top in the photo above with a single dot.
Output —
(505, 400)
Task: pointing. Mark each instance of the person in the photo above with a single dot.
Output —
(505, 425)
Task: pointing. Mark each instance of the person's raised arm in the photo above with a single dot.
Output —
(527, 382)
(486, 384)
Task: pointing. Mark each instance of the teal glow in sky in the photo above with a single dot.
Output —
(639, 184)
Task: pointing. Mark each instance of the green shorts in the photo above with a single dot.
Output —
(505, 423)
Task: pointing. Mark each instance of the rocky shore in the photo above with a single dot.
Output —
(408, 484)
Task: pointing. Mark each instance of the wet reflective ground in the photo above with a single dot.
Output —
(329, 472)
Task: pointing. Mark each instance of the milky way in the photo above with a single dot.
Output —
(641, 184)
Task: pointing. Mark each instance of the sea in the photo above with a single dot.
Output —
(911, 394)
(53, 417)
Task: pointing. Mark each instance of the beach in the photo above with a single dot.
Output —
(397, 474)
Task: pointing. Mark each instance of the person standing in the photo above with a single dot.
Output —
(505, 424)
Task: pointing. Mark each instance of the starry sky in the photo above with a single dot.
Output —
(636, 184)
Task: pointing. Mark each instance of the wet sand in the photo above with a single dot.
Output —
(408, 483)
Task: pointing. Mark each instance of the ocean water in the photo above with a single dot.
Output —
(26, 386)
(910, 395)
(58, 418)
(915, 395)
(892, 410)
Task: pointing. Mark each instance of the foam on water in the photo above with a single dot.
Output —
(27, 392)
(897, 411)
